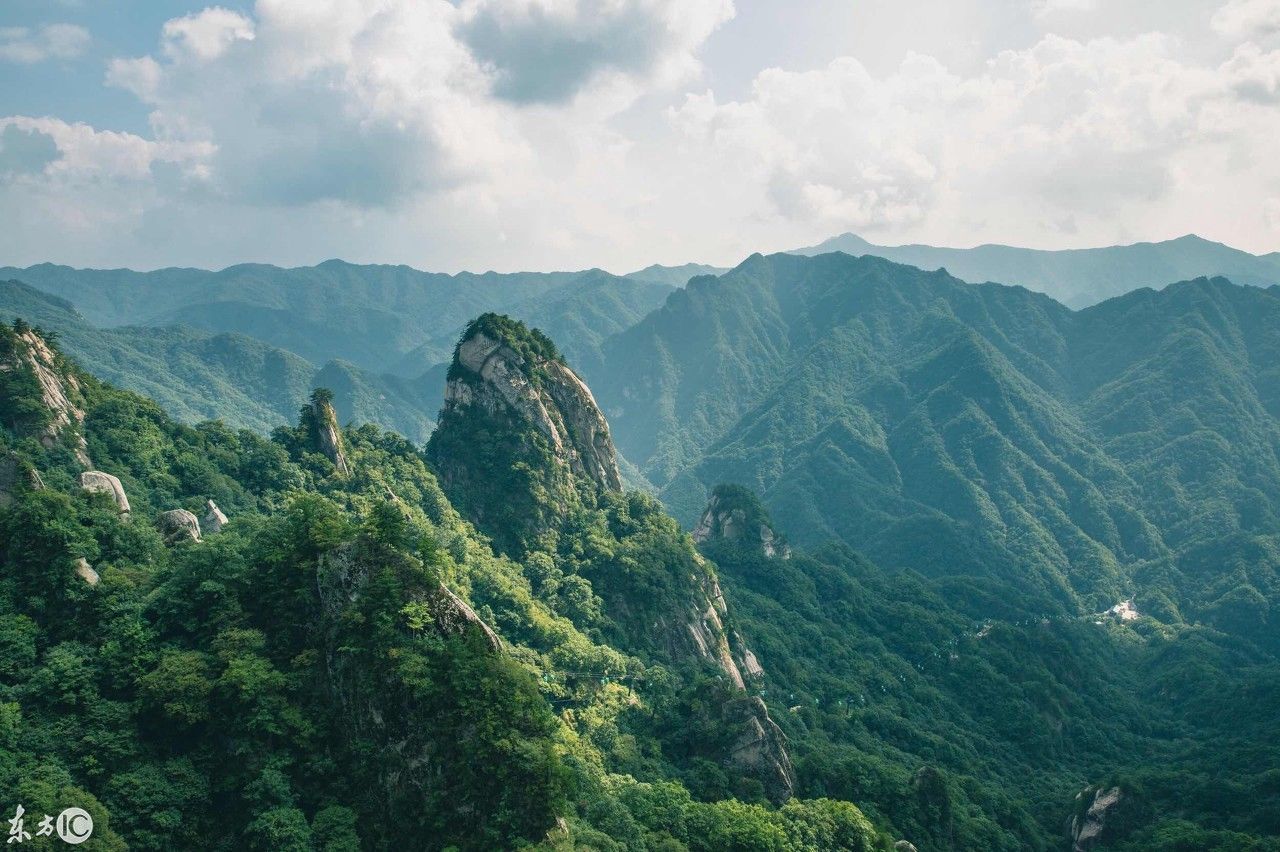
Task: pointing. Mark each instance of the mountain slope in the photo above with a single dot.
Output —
(1076, 277)
(965, 431)
(337, 659)
(198, 375)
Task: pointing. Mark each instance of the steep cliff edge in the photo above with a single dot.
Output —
(320, 420)
(38, 395)
(520, 440)
(523, 451)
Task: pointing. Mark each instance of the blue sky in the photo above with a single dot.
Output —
(570, 133)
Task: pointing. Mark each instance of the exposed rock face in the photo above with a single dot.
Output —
(342, 574)
(322, 421)
(214, 520)
(733, 514)
(904, 846)
(104, 483)
(57, 390)
(1086, 831)
(85, 571)
(454, 616)
(178, 525)
(761, 750)
(560, 406)
(709, 636)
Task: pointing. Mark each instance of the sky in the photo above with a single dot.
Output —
(566, 134)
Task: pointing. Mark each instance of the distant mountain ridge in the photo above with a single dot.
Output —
(197, 374)
(370, 315)
(1076, 277)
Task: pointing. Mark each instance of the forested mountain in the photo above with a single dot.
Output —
(1033, 457)
(380, 318)
(492, 635)
(215, 640)
(1077, 277)
(199, 375)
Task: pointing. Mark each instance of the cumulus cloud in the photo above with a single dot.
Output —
(554, 133)
(1242, 19)
(79, 153)
(1254, 74)
(1057, 131)
(549, 50)
(54, 41)
(206, 34)
(372, 104)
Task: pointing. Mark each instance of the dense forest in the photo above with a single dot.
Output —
(345, 662)
(968, 570)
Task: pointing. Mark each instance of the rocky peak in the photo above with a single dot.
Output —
(502, 366)
(735, 514)
(520, 439)
(25, 351)
(1087, 829)
(321, 420)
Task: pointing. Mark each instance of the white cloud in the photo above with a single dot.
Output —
(206, 34)
(1243, 19)
(1254, 74)
(85, 154)
(1061, 132)
(54, 41)
(1048, 8)
(558, 133)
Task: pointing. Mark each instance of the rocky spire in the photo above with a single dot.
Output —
(322, 421)
(735, 514)
(520, 437)
(50, 406)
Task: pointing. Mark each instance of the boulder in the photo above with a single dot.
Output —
(85, 571)
(104, 483)
(214, 520)
(904, 846)
(178, 525)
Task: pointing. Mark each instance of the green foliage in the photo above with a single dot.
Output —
(300, 680)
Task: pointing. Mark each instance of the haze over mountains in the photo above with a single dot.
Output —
(1077, 277)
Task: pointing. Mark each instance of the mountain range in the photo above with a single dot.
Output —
(1077, 277)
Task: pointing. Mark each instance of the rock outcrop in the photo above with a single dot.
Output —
(178, 525)
(542, 391)
(734, 514)
(214, 520)
(59, 391)
(104, 483)
(321, 420)
(343, 572)
(761, 751)
(85, 571)
(1087, 830)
